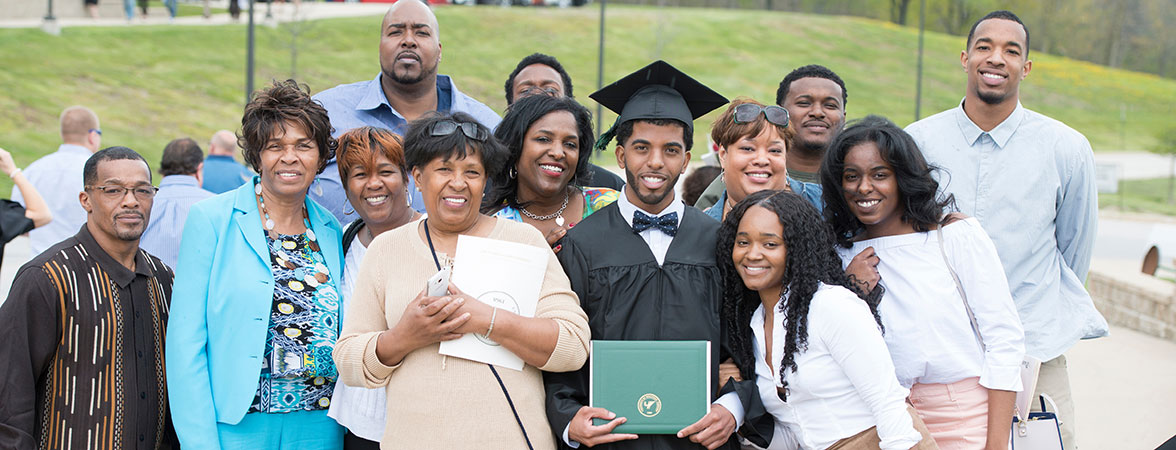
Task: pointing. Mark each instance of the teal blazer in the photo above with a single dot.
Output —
(220, 309)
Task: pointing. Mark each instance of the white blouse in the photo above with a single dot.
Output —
(360, 410)
(927, 328)
(844, 382)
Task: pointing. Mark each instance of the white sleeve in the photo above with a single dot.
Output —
(848, 330)
(974, 258)
(731, 402)
(569, 441)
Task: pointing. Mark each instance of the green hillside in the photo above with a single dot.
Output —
(152, 84)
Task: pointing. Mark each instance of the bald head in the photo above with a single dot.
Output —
(223, 143)
(78, 127)
(411, 9)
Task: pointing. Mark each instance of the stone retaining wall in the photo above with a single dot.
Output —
(1134, 300)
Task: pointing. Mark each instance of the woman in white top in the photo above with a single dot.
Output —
(819, 359)
(372, 168)
(881, 200)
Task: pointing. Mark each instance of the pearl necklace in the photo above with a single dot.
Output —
(558, 215)
(269, 223)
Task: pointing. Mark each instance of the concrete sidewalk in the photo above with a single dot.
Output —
(281, 12)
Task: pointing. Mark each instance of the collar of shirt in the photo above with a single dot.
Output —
(219, 158)
(76, 149)
(374, 97)
(627, 208)
(118, 272)
(1000, 134)
(179, 180)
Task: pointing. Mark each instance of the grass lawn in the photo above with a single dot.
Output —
(150, 84)
(1149, 195)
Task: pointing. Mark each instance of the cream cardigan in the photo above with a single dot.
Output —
(439, 402)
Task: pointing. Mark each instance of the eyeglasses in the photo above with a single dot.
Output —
(470, 129)
(96, 130)
(115, 192)
(749, 112)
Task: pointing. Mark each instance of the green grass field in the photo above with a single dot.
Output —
(152, 84)
(1150, 195)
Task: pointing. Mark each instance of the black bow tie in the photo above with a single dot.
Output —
(667, 223)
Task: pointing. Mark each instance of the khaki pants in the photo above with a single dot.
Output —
(1054, 380)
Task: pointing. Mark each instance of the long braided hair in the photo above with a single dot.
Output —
(811, 260)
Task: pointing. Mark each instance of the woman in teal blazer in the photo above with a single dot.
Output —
(255, 310)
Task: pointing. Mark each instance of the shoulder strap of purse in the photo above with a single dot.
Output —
(959, 287)
(502, 385)
(350, 233)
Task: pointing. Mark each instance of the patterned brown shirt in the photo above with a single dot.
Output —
(81, 362)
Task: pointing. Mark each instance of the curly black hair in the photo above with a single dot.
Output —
(538, 58)
(811, 260)
(284, 103)
(923, 207)
(512, 134)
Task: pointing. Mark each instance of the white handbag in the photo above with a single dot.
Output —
(1040, 431)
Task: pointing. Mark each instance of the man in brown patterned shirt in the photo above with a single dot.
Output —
(81, 365)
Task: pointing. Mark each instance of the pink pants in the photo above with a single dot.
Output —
(956, 414)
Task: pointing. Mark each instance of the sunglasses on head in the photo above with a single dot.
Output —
(749, 112)
(470, 129)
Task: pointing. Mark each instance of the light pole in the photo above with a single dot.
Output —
(919, 77)
(600, 67)
(50, 23)
(249, 57)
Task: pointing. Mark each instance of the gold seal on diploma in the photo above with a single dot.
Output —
(649, 405)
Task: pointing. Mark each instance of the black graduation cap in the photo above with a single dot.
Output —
(657, 91)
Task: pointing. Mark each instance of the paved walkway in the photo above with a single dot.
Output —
(282, 12)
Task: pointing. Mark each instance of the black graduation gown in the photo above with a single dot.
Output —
(627, 296)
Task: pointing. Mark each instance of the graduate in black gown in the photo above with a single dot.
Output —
(644, 267)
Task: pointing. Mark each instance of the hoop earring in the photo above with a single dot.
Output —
(512, 173)
(345, 211)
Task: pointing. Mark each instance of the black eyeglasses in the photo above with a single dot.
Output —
(470, 129)
(115, 191)
(748, 112)
(96, 130)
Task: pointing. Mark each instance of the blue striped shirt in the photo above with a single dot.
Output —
(169, 210)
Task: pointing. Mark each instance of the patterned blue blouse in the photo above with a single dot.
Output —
(297, 373)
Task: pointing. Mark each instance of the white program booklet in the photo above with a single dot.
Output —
(505, 275)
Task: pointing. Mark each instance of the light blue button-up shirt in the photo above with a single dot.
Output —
(1030, 182)
(169, 210)
(360, 104)
(58, 178)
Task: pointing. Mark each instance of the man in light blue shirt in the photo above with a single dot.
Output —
(58, 177)
(222, 173)
(1029, 180)
(182, 167)
(406, 88)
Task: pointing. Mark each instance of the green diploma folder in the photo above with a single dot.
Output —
(661, 387)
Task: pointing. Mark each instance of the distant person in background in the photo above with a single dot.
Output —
(16, 220)
(406, 88)
(697, 181)
(58, 177)
(1029, 180)
(92, 8)
(815, 98)
(222, 173)
(540, 74)
(182, 169)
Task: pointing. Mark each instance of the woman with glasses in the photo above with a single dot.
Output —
(393, 329)
(372, 169)
(753, 140)
(942, 285)
(256, 311)
(549, 140)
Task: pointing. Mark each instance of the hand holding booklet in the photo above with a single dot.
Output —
(505, 275)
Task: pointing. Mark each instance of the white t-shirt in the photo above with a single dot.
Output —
(927, 328)
(361, 410)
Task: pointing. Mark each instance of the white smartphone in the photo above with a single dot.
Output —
(438, 284)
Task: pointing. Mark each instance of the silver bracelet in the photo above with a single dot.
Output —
(14, 172)
(491, 329)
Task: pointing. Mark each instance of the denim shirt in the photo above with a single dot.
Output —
(811, 192)
(363, 103)
(1030, 182)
